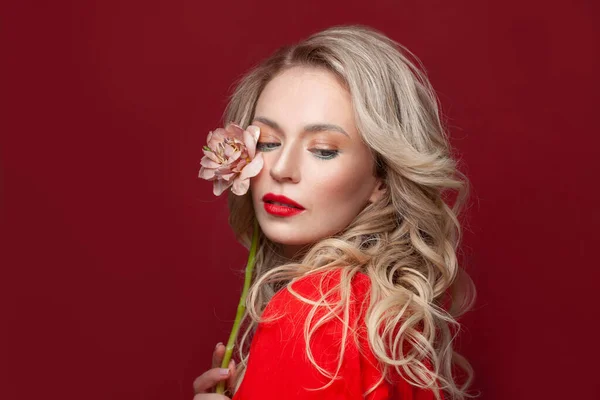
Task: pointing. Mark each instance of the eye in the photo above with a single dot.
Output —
(266, 146)
(324, 154)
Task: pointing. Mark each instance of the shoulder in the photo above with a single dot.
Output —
(331, 279)
(327, 303)
(283, 342)
(318, 286)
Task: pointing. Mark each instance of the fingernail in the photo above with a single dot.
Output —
(218, 344)
(224, 371)
(231, 364)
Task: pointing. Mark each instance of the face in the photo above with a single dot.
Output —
(318, 174)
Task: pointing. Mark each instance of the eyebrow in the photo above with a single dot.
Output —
(312, 128)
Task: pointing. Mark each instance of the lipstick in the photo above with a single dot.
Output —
(281, 206)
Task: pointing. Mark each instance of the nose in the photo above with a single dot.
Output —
(286, 165)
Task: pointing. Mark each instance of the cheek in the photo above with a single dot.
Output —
(259, 185)
(255, 188)
(340, 183)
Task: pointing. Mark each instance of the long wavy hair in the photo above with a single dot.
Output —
(406, 243)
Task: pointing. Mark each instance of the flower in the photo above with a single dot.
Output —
(230, 158)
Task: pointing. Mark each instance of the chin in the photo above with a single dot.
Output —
(287, 239)
(285, 235)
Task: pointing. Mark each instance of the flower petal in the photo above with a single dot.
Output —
(227, 177)
(254, 131)
(235, 131)
(250, 139)
(207, 173)
(240, 186)
(215, 137)
(239, 166)
(220, 186)
(223, 171)
(253, 168)
(211, 155)
(208, 163)
(233, 157)
(228, 150)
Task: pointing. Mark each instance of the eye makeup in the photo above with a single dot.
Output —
(320, 153)
(325, 154)
(266, 146)
(313, 128)
(322, 145)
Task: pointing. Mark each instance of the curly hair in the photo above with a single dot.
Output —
(406, 243)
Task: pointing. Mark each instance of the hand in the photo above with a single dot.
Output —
(205, 384)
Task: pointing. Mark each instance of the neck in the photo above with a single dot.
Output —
(295, 252)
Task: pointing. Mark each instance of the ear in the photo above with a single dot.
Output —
(378, 191)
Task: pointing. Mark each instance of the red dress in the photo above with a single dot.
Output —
(278, 367)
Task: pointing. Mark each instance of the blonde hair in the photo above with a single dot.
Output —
(406, 243)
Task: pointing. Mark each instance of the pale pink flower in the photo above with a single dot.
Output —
(230, 158)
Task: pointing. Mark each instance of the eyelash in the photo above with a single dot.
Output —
(329, 154)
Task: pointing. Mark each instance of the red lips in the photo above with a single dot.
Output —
(285, 208)
(270, 197)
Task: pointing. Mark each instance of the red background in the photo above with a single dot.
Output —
(119, 273)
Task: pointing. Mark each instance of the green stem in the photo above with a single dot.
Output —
(241, 306)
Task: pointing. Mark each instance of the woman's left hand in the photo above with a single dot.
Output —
(205, 384)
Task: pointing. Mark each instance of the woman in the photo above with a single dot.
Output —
(357, 286)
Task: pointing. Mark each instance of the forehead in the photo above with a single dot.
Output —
(304, 95)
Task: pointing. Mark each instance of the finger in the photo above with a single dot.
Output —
(232, 376)
(218, 355)
(210, 396)
(205, 382)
